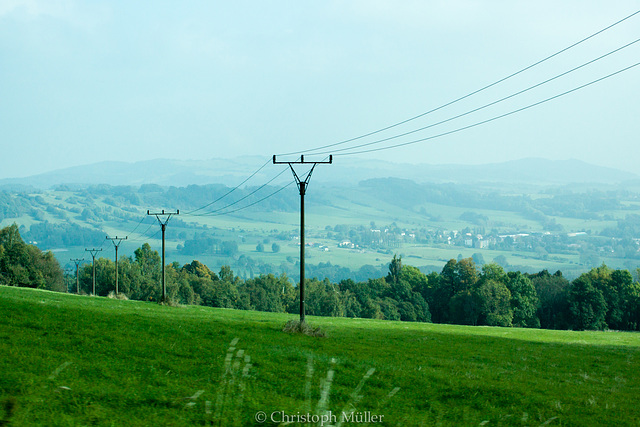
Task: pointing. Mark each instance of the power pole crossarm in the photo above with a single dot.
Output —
(302, 161)
(302, 188)
(163, 227)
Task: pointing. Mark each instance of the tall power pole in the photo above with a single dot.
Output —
(163, 226)
(302, 187)
(77, 262)
(116, 243)
(93, 253)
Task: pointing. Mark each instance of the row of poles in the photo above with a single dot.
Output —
(163, 218)
(116, 244)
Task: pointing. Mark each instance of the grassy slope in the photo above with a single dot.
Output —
(70, 360)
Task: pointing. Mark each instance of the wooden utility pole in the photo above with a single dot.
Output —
(163, 226)
(77, 262)
(302, 187)
(67, 274)
(116, 245)
(93, 253)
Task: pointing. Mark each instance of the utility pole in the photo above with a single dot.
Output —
(163, 226)
(116, 245)
(67, 274)
(302, 187)
(77, 262)
(93, 253)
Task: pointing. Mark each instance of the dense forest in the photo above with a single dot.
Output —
(462, 293)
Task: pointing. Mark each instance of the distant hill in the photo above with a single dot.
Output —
(180, 173)
(534, 171)
(164, 172)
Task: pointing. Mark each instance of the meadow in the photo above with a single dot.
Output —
(80, 360)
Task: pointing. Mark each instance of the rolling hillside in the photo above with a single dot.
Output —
(532, 171)
(523, 227)
(70, 360)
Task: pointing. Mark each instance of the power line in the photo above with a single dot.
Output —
(264, 198)
(486, 105)
(216, 211)
(350, 149)
(142, 235)
(243, 198)
(136, 227)
(467, 95)
(230, 191)
(146, 231)
(261, 200)
(256, 202)
(491, 119)
(153, 236)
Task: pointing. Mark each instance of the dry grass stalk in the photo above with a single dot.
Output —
(295, 327)
(120, 296)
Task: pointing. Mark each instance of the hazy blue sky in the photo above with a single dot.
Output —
(86, 81)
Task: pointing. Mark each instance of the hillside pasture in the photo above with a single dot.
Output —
(79, 360)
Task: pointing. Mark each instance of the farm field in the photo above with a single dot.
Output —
(78, 360)
(248, 232)
(524, 229)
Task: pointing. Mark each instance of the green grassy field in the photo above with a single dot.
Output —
(78, 360)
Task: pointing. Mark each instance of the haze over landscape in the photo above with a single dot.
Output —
(467, 249)
(85, 82)
(444, 119)
(349, 171)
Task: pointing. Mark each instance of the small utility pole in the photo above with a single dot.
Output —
(302, 187)
(67, 274)
(77, 262)
(116, 245)
(163, 226)
(93, 253)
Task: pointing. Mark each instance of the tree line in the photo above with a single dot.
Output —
(462, 293)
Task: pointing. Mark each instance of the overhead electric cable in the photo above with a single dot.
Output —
(256, 202)
(243, 198)
(263, 199)
(139, 234)
(144, 234)
(467, 95)
(486, 105)
(230, 191)
(491, 119)
(136, 227)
